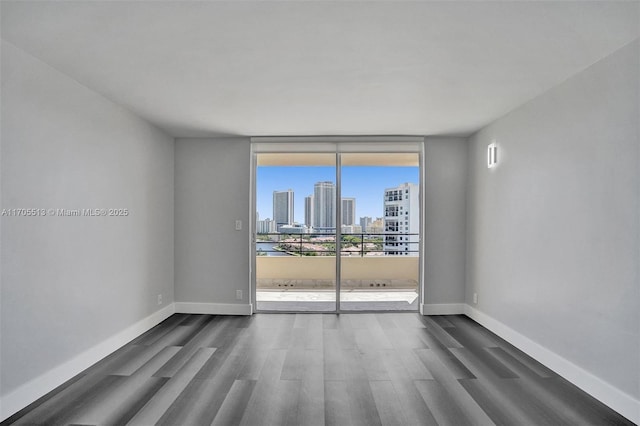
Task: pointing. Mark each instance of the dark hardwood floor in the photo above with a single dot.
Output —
(318, 369)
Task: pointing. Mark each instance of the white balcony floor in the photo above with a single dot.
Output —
(324, 300)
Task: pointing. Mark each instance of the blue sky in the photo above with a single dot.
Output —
(365, 183)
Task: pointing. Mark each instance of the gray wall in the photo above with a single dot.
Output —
(212, 184)
(445, 238)
(69, 283)
(553, 231)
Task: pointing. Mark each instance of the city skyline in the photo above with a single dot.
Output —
(364, 183)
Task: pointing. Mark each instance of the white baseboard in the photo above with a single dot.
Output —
(616, 399)
(213, 308)
(40, 386)
(442, 309)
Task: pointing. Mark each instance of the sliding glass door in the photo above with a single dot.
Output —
(295, 238)
(380, 232)
(337, 231)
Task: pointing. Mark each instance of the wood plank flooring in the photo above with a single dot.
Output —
(317, 369)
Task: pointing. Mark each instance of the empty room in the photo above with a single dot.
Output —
(320, 212)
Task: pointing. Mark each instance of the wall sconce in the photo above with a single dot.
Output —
(492, 155)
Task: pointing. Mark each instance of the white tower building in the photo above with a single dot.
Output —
(283, 208)
(402, 220)
(324, 206)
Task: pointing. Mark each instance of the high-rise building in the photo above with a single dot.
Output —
(365, 223)
(308, 211)
(283, 208)
(324, 206)
(348, 211)
(402, 220)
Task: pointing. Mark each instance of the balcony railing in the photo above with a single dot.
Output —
(323, 244)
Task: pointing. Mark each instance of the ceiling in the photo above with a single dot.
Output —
(211, 68)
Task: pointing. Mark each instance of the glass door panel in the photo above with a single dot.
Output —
(295, 232)
(380, 231)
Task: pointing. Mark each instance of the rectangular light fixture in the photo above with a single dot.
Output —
(492, 155)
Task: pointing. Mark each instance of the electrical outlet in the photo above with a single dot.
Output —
(238, 294)
(475, 298)
(238, 225)
(159, 299)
